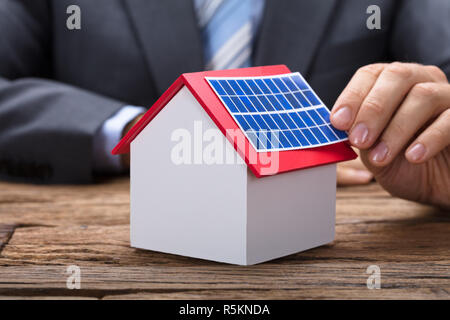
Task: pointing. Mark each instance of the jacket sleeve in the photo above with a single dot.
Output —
(46, 128)
(422, 33)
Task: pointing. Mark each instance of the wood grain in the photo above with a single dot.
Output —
(5, 234)
(44, 229)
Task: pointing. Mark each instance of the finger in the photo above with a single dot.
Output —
(391, 87)
(436, 74)
(348, 103)
(432, 141)
(351, 176)
(424, 102)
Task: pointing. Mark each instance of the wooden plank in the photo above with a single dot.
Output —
(105, 203)
(415, 239)
(419, 262)
(6, 231)
(325, 280)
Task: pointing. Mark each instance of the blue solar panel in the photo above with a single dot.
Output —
(277, 113)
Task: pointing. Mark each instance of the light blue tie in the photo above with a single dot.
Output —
(228, 29)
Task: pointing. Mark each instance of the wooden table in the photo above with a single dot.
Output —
(45, 229)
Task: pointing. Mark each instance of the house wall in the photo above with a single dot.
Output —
(197, 210)
(290, 212)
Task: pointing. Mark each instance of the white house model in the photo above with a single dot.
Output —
(235, 166)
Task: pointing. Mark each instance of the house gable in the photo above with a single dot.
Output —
(171, 203)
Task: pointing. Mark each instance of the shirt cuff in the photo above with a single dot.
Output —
(109, 135)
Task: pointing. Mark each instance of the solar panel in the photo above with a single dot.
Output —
(277, 113)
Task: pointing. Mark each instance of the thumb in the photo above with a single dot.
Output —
(364, 156)
(351, 176)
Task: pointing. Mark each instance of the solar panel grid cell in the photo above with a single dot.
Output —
(277, 112)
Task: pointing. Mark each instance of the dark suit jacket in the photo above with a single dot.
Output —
(57, 86)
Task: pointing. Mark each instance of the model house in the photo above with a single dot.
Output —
(236, 166)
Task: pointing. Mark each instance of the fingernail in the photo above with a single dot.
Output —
(342, 117)
(416, 152)
(359, 134)
(380, 152)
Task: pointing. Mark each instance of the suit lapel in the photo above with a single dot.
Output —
(168, 34)
(291, 31)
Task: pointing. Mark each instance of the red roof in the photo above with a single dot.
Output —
(287, 160)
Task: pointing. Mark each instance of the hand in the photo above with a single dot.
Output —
(125, 158)
(353, 172)
(398, 115)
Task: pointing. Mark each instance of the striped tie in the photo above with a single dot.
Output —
(227, 30)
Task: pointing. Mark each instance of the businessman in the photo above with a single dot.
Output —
(68, 95)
